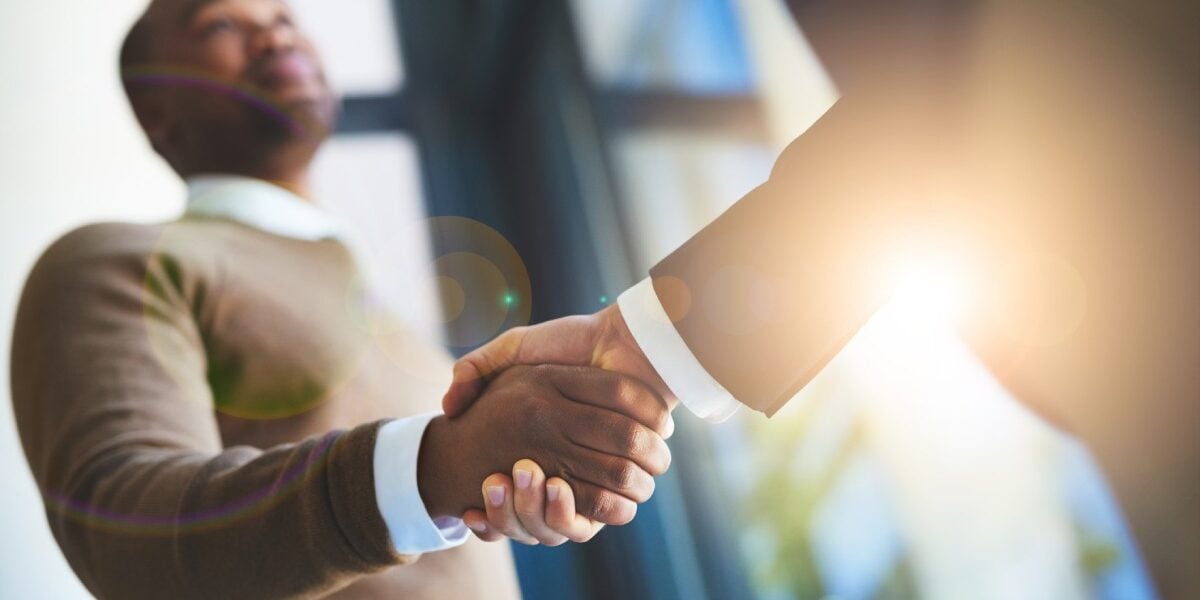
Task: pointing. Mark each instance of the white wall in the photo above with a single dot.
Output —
(70, 152)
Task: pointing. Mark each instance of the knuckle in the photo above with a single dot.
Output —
(631, 440)
(603, 507)
(528, 514)
(643, 491)
(557, 522)
(627, 514)
(504, 528)
(528, 510)
(662, 460)
(625, 475)
(662, 420)
(501, 524)
(624, 391)
(621, 512)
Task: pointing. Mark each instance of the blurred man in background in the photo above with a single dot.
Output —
(210, 405)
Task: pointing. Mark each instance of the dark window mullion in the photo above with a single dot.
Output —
(390, 112)
(736, 116)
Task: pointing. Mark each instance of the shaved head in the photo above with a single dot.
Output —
(229, 86)
(137, 49)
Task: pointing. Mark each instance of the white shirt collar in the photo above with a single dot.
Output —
(260, 204)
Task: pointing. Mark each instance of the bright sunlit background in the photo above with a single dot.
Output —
(904, 470)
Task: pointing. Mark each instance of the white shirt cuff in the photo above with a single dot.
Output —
(670, 356)
(411, 528)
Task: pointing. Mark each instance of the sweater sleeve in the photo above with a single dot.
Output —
(116, 418)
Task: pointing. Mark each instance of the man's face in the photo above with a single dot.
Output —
(261, 66)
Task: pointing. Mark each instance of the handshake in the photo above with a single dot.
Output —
(576, 412)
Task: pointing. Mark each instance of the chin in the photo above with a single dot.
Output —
(317, 116)
(315, 111)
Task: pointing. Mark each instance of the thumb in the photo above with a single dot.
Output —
(464, 389)
(472, 371)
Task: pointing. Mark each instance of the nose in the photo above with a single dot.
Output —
(273, 38)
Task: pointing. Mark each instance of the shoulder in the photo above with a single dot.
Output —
(100, 241)
(91, 253)
(99, 245)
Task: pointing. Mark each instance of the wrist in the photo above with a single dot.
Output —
(435, 469)
(618, 350)
(613, 342)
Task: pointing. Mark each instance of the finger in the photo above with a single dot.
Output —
(614, 434)
(602, 505)
(472, 370)
(477, 522)
(498, 500)
(529, 500)
(616, 474)
(613, 391)
(561, 516)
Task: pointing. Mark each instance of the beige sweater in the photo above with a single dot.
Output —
(199, 403)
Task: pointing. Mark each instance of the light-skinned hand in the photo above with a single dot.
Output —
(530, 509)
(600, 340)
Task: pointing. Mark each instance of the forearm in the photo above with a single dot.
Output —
(297, 519)
(444, 491)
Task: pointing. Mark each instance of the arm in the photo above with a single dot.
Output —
(736, 288)
(1059, 197)
(116, 419)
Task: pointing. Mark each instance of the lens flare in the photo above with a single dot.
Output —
(929, 289)
(166, 76)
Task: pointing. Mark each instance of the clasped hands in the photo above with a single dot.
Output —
(572, 409)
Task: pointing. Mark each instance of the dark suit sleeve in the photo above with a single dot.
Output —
(1062, 161)
(779, 283)
(770, 291)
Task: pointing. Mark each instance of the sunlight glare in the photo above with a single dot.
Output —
(929, 290)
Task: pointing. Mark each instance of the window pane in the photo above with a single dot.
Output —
(675, 182)
(372, 183)
(685, 45)
(358, 42)
(904, 469)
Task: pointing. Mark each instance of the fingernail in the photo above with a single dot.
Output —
(477, 527)
(552, 492)
(495, 494)
(523, 478)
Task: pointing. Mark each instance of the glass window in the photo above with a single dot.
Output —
(692, 45)
(358, 42)
(372, 183)
(676, 181)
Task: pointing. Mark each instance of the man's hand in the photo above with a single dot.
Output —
(599, 340)
(599, 431)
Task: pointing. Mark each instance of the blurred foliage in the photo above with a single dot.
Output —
(781, 503)
(1097, 554)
